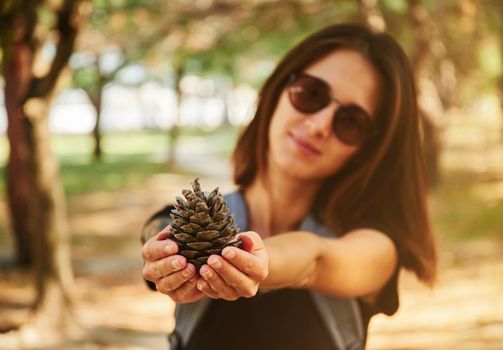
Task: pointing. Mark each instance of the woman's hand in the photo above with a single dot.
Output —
(238, 272)
(171, 273)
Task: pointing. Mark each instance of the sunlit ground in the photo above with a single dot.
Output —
(464, 310)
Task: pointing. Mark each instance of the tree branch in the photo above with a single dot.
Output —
(68, 23)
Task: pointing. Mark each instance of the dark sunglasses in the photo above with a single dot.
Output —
(351, 123)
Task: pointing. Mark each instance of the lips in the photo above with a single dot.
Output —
(304, 146)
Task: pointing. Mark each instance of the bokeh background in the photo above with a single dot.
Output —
(111, 107)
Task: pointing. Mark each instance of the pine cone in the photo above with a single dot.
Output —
(202, 225)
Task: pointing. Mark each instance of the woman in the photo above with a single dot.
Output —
(332, 183)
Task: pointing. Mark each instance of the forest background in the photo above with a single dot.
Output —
(111, 107)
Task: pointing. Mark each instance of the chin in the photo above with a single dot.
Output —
(301, 171)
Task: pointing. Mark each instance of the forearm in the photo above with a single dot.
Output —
(293, 260)
(358, 264)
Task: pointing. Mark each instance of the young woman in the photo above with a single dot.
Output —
(331, 201)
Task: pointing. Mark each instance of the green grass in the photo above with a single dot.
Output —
(129, 158)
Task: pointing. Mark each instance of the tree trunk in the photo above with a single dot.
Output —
(96, 98)
(424, 37)
(98, 151)
(500, 95)
(174, 132)
(500, 81)
(36, 199)
(35, 195)
(17, 75)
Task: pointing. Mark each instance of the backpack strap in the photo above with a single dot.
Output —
(342, 316)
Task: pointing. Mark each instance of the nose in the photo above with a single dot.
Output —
(319, 124)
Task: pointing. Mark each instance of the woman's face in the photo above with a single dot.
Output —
(303, 145)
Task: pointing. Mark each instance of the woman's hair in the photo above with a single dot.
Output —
(383, 184)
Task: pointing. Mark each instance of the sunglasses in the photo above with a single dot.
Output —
(351, 124)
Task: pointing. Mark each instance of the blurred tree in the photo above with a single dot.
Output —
(246, 51)
(421, 54)
(142, 33)
(92, 79)
(37, 39)
(176, 31)
(371, 14)
(493, 16)
(174, 133)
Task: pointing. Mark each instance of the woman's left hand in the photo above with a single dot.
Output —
(238, 272)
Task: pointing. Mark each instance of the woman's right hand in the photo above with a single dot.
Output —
(170, 272)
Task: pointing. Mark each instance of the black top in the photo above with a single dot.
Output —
(281, 319)
(276, 320)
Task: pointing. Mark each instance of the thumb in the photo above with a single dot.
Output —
(251, 241)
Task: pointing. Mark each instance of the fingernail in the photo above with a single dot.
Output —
(187, 272)
(214, 262)
(206, 273)
(229, 254)
(176, 264)
(200, 286)
(169, 248)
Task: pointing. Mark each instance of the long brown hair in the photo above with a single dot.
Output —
(383, 185)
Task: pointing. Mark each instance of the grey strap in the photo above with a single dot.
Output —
(342, 316)
(187, 316)
(236, 204)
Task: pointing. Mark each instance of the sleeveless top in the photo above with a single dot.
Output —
(345, 320)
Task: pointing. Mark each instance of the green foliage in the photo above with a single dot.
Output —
(86, 78)
(489, 59)
(250, 50)
(398, 7)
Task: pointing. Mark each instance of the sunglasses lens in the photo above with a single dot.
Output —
(352, 125)
(308, 95)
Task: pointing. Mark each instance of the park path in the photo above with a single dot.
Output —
(117, 311)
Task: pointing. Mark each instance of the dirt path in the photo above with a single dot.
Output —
(465, 311)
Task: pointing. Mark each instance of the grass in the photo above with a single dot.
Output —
(129, 158)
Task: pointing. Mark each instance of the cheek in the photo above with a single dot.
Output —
(282, 117)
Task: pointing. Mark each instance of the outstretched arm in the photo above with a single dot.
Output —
(357, 264)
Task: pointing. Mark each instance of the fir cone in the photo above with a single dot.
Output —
(202, 225)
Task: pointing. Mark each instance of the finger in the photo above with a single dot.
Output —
(251, 241)
(187, 293)
(205, 288)
(217, 283)
(155, 249)
(164, 233)
(232, 277)
(252, 264)
(155, 270)
(175, 280)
